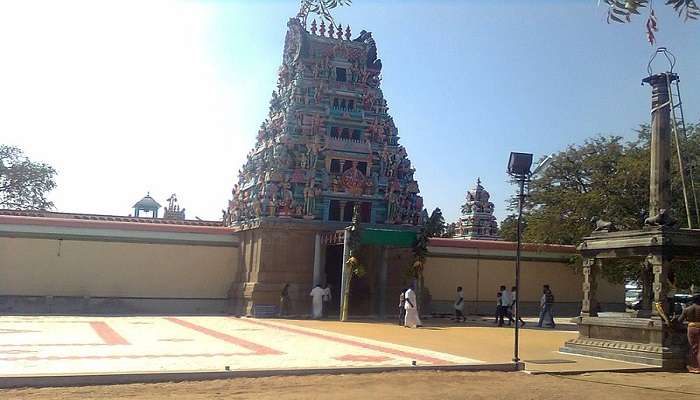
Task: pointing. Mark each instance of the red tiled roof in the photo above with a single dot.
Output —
(500, 245)
(115, 218)
(96, 221)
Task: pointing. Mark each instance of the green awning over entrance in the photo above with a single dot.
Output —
(386, 237)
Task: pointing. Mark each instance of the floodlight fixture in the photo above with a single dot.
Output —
(519, 164)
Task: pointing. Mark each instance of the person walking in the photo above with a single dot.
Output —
(513, 306)
(459, 305)
(506, 302)
(499, 309)
(326, 299)
(317, 302)
(692, 315)
(284, 301)
(411, 306)
(402, 307)
(546, 307)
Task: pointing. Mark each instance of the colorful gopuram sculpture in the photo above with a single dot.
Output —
(328, 142)
(477, 220)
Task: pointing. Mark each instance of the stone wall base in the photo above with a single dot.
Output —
(69, 305)
(638, 340)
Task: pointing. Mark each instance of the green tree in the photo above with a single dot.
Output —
(622, 11)
(604, 178)
(509, 228)
(415, 270)
(436, 224)
(24, 184)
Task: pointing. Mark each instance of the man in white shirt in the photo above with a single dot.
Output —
(326, 299)
(506, 301)
(459, 305)
(514, 305)
(317, 302)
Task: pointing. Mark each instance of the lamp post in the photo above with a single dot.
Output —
(519, 168)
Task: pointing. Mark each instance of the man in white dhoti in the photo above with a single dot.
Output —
(412, 318)
(317, 301)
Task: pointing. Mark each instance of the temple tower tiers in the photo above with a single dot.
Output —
(477, 220)
(328, 142)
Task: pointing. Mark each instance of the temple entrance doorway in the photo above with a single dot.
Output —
(333, 273)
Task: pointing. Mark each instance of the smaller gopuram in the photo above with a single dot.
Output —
(477, 220)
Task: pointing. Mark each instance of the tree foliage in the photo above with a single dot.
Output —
(24, 184)
(450, 230)
(621, 11)
(603, 178)
(435, 227)
(509, 228)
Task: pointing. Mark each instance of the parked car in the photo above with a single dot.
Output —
(679, 302)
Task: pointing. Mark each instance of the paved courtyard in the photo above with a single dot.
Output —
(33, 345)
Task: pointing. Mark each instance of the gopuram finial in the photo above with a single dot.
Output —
(322, 8)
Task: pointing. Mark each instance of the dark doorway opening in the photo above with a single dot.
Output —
(334, 261)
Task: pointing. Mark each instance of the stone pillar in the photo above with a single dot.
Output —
(589, 304)
(317, 260)
(660, 178)
(660, 267)
(383, 274)
(342, 210)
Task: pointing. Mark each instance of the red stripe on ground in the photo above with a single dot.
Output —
(108, 335)
(130, 356)
(254, 347)
(350, 342)
(53, 344)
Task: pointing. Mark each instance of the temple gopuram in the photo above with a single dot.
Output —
(328, 142)
(477, 220)
(327, 145)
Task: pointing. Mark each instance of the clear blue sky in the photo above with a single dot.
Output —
(466, 83)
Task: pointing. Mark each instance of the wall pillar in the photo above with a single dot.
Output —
(383, 274)
(317, 260)
(342, 210)
(589, 304)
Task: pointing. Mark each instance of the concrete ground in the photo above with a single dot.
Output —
(35, 345)
(208, 342)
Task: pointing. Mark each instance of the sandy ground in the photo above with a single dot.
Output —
(539, 348)
(396, 385)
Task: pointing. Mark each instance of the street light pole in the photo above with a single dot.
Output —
(521, 195)
(519, 168)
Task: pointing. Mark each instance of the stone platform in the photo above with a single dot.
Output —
(628, 339)
(642, 340)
